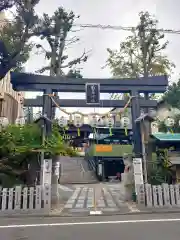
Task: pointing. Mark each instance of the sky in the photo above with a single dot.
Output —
(108, 12)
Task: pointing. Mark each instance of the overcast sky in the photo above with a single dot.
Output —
(110, 12)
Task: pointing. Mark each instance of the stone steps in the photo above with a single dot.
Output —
(74, 170)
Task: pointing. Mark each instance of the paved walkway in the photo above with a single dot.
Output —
(101, 197)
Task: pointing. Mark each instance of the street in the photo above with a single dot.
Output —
(149, 227)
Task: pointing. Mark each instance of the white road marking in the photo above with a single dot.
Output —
(72, 199)
(64, 188)
(88, 223)
(83, 197)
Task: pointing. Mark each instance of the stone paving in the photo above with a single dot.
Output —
(101, 197)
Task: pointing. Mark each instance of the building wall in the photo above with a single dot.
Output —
(12, 101)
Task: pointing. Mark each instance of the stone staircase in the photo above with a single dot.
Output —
(75, 170)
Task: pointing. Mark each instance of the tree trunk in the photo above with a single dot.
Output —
(32, 174)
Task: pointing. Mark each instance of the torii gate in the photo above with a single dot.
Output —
(48, 85)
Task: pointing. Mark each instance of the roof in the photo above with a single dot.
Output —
(172, 137)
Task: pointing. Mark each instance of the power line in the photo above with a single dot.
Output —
(109, 27)
(119, 28)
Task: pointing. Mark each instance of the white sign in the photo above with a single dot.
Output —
(56, 168)
(47, 171)
(100, 170)
(138, 171)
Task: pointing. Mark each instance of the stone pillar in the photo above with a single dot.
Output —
(55, 180)
(128, 179)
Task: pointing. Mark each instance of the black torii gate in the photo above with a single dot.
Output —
(48, 85)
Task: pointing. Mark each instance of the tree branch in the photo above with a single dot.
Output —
(42, 70)
(83, 58)
(6, 4)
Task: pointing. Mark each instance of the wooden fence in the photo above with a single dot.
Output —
(25, 199)
(159, 195)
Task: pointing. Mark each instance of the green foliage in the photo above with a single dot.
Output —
(174, 129)
(56, 145)
(73, 73)
(21, 146)
(160, 171)
(15, 36)
(15, 44)
(12, 42)
(55, 30)
(6, 4)
(142, 53)
(172, 96)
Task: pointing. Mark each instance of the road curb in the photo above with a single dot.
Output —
(82, 183)
(66, 215)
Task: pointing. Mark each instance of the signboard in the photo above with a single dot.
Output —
(138, 171)
(92, 93)
(56, 168)
(103, 148)
(47, 171)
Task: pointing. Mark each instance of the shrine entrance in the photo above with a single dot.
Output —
(97, 124)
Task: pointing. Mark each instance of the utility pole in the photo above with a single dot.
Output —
(146, 95)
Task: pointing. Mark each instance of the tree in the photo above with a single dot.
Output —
(20, 147)
(15, 35)
(55, 31)
(142, 53)
(6, 4)
(172, 95)
(11, 43)
(73, 73)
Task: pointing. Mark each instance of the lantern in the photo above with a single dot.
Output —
(62, 122)
(20, 121)
(4, 121)
(118, 119)
(101, 122)
(169, 122)
(109, 121)
(93, 121)
(78, 122)
(125, 121)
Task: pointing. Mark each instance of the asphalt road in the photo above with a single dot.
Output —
(149, 227)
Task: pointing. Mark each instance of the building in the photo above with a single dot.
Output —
(11, 102)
